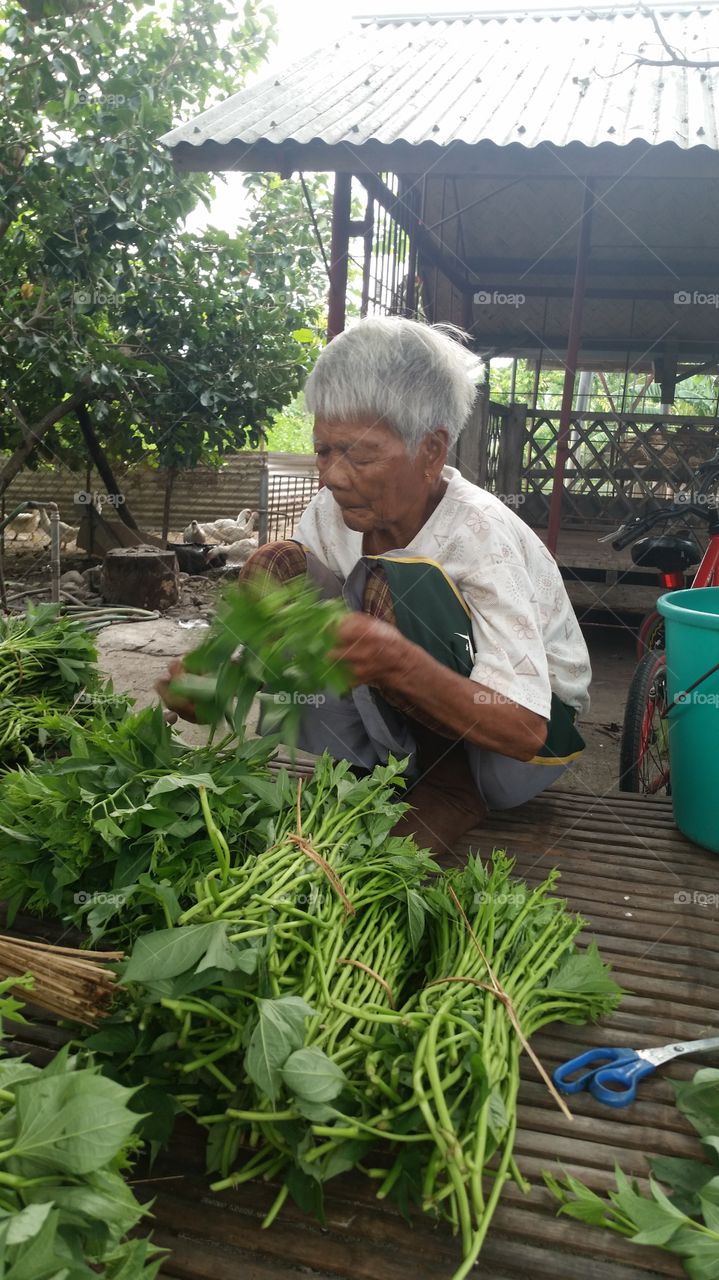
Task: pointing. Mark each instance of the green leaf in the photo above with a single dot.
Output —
(168, 952)
(279, 1031)
(28, 1223)
(415, 917)
(73, 1123)
(312, 1076)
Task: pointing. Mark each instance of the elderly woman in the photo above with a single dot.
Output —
(465, 651)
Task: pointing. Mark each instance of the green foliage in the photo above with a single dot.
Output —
(349, 1005)
(695, 396)
(291, 430)
(285, 635)
(65, 1209)
(182, 344)
(112, 835)
(687, 1221)
(49, 684)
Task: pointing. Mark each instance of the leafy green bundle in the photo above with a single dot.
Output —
(113, 835)
(47, 665)
(324, 1000)
(284, 634)
(65, 1209)
(687, 1221)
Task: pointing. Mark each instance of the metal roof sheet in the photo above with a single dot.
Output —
(513, 79)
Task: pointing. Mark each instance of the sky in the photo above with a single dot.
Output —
(305, 25)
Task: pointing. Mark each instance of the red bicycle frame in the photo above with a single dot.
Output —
(707, 575)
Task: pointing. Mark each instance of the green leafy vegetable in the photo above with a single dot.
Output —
(686, 1222)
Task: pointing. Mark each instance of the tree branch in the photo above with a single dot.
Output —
(35, 434)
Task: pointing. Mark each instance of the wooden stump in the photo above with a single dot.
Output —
(144, 577)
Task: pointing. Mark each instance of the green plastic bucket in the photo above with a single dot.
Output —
(692, 648)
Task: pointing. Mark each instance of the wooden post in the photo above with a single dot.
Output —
(573, 341)
(339, 254)
(167, 505)
(511, 452)
(471, 448)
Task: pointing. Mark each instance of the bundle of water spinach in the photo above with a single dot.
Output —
(334, 1004)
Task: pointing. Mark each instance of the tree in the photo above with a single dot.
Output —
(177, 347)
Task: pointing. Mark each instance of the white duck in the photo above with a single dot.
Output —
(233, 552)
(24, 525)
(68, 533)
(225, 531)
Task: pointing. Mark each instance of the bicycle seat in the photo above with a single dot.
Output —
(666, 552)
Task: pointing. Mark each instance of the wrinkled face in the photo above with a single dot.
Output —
(369, 472)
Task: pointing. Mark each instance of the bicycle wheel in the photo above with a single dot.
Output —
(644, 751)
(650, 634)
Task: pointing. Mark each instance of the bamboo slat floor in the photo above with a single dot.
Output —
(651, 899)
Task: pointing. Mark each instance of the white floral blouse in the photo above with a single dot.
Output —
(527, 640)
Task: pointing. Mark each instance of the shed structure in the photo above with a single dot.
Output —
(546, 180)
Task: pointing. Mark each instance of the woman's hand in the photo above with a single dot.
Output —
(175, 701)
(374, 651)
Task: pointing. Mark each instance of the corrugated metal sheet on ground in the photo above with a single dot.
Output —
(520, 79)
(205, 493)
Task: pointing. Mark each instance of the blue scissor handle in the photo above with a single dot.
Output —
(626, 1074)
(595, 1060)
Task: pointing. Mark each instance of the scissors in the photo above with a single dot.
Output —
(612, 1075)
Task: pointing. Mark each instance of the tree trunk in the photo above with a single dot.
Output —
(36, 431)
(144, 577)
(104, 470)
(169, 485)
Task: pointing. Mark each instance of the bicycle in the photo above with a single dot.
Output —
(644, 750)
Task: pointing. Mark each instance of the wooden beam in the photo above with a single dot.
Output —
(573, 344)
(339, 254)
(427, 244)
(543, 164)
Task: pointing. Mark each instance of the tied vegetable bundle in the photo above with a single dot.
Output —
(113, 835)
(48, 682)
(65, 1209)
(324, 1005)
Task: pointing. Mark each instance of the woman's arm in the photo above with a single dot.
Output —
(379, 655)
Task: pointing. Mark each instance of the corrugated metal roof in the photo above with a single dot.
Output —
(517, 79)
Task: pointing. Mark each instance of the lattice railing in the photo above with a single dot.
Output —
(617, 463)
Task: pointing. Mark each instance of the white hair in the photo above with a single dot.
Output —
(414, 377)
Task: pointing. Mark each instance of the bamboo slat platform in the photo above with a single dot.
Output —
(622, 863)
